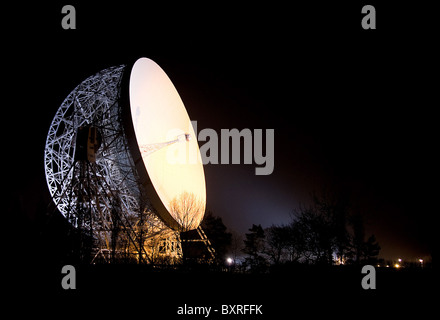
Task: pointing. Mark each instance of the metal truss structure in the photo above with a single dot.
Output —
(102, 198)
(147, 149)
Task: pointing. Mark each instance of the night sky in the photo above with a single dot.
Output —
(352, 110)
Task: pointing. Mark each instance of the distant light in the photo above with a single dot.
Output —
(397, 266)
(400, 260)
(421, 260)
(229, 260)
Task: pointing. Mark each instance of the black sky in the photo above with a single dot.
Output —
(353, 110)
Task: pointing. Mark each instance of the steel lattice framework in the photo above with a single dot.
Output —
(101, 197)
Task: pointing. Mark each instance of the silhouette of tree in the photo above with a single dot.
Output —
(297, 244)
(371, 250)
(236, 246)
(322, 232)
(216, 232)
(358, 238)
(254, 248)
(316, 234)
(278, 241)
(334, 209)
(363, 251)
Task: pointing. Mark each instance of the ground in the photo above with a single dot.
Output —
(133, 290)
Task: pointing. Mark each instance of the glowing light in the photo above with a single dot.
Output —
(397, 266)
(229, 260)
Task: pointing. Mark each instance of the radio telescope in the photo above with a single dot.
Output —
(123, 164)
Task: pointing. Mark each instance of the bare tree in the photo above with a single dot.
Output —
(236, 245)
(254, 244)
(277, 243)
(334, 210)
(364, 251)
(188, 210)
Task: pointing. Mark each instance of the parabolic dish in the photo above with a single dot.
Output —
(169, 163)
